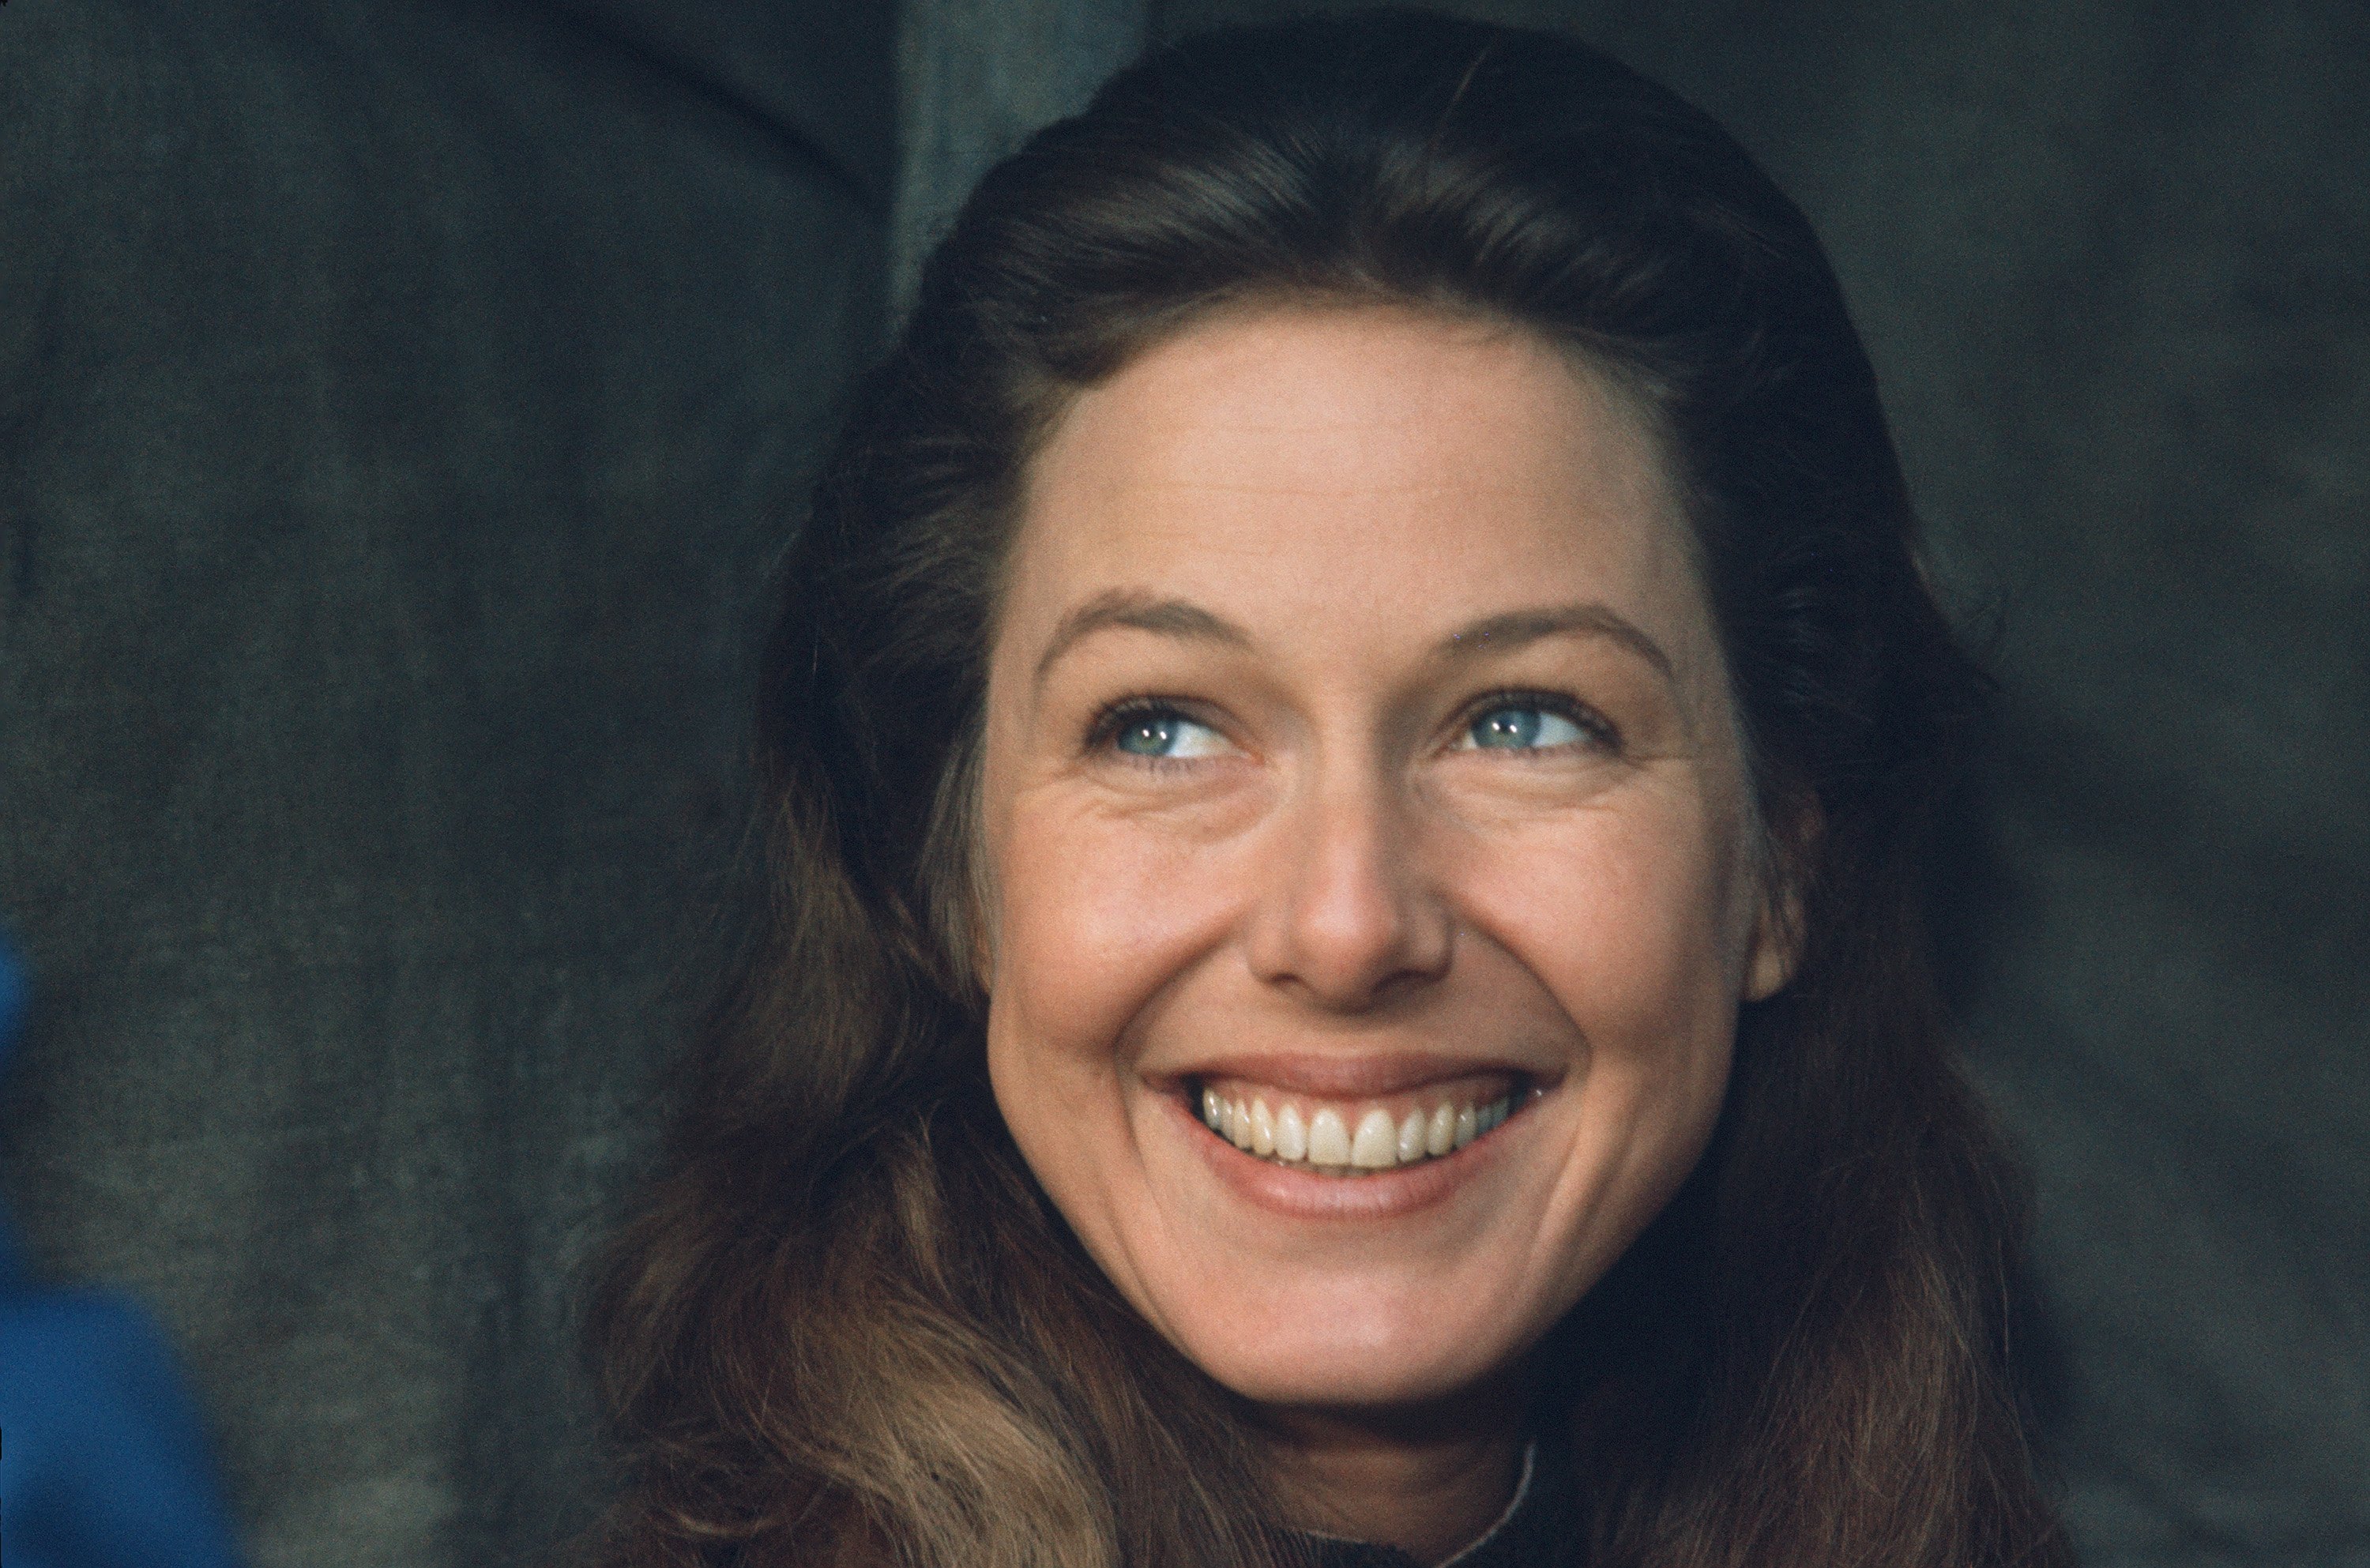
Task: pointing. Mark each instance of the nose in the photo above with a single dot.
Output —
(1347, 915)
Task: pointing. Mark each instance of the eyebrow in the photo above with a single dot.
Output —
(1518, 628)
(1141, 612)
(1495, 634)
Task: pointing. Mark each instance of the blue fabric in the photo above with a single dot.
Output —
(12, 1008)
(102, 1455)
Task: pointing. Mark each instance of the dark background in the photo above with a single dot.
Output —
(400, 402)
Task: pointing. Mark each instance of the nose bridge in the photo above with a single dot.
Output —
(1348, 911)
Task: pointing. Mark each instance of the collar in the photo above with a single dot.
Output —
(1538, 1529)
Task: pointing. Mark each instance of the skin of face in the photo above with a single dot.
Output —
(1321, 551)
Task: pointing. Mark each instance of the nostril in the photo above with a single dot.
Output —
(1348, 918)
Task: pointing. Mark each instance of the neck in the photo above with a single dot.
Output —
(1430, 1480)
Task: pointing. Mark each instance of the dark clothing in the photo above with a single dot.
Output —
(1541, 1529)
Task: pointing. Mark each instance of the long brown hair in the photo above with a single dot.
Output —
(850, 1328)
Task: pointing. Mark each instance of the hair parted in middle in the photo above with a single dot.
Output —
(850, 1327)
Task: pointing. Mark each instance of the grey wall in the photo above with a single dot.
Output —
(2111, 259)
(974, 78)
(398, 403)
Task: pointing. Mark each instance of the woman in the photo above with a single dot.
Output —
(1344, 764)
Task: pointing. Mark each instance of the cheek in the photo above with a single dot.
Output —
(1627, 920)
(1093, 918)
(1630, 919)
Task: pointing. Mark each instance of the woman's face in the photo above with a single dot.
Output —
(1372, 890)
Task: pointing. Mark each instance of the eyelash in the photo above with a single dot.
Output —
(1127, 710)
(1599, 728)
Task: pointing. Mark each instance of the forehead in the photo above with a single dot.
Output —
(1303, 461)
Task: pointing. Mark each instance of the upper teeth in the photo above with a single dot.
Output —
(1323, 1140)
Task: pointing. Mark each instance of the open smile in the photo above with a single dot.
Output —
(1357, 1136)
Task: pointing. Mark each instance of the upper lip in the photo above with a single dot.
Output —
(1333, 1075)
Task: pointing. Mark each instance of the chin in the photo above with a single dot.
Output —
(1337, 1384)
(1374, 1360)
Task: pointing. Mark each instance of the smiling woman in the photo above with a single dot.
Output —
(1406, 836)
(1370, 824)
(1346, 749)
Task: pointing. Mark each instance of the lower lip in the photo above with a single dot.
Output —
(1304, 1194)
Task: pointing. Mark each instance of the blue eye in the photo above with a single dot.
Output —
(1520, 726)
(1166, 735)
